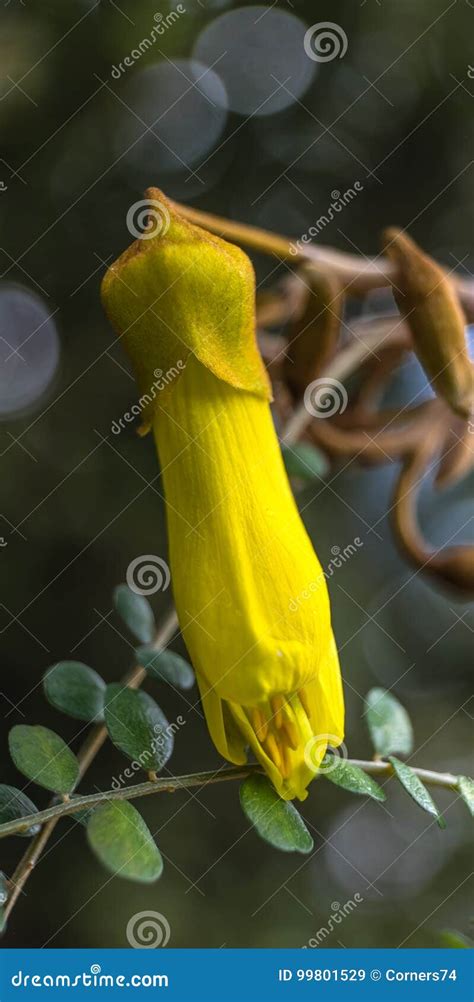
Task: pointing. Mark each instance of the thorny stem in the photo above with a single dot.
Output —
(86, 755)
(380, 769)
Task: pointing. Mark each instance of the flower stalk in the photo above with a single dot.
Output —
(378, 769)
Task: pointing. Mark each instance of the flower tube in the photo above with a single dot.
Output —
(250, 593)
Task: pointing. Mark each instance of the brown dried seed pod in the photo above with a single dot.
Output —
(315, 331)
(452, 566)
(457, 459)
(426, 298)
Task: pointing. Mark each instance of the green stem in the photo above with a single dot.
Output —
(201, 779)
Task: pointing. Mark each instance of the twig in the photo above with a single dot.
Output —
(341, 367)
(361, 274)
(85, 756)
(201, 779)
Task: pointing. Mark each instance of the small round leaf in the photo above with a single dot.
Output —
(351, 777)
(75, 689)
(304, 461)
(466, 789)
(166, 666)
(14, 805)
(277, 821)
(417, 790)
(138, 727)
(122, 841)
(136, 612)
(454, 940)
(389, 724)
(3, 889)
(44, 757)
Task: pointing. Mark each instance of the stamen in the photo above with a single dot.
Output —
(259, 723)
(291, 732)
(277, 707)
(273, 750)
(286, 762)
(304, 702)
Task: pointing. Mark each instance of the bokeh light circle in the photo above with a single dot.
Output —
(179, 111)
(259, 53)
(29, 349)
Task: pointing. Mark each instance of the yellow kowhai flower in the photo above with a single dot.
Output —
(250, 594)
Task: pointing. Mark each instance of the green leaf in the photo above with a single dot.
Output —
(351, 777)
(122, 841)
(466, 789)
(389, 724)
(3, 889)
(138, 727)
(277, 821)
(13, 805)
(136, 612)
(166, 666)
(305, 461)
(454, 940)
(44, 757)
(3, 922)
(75, 689)
(416, 788)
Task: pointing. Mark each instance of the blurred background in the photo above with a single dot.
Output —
(225, 110)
